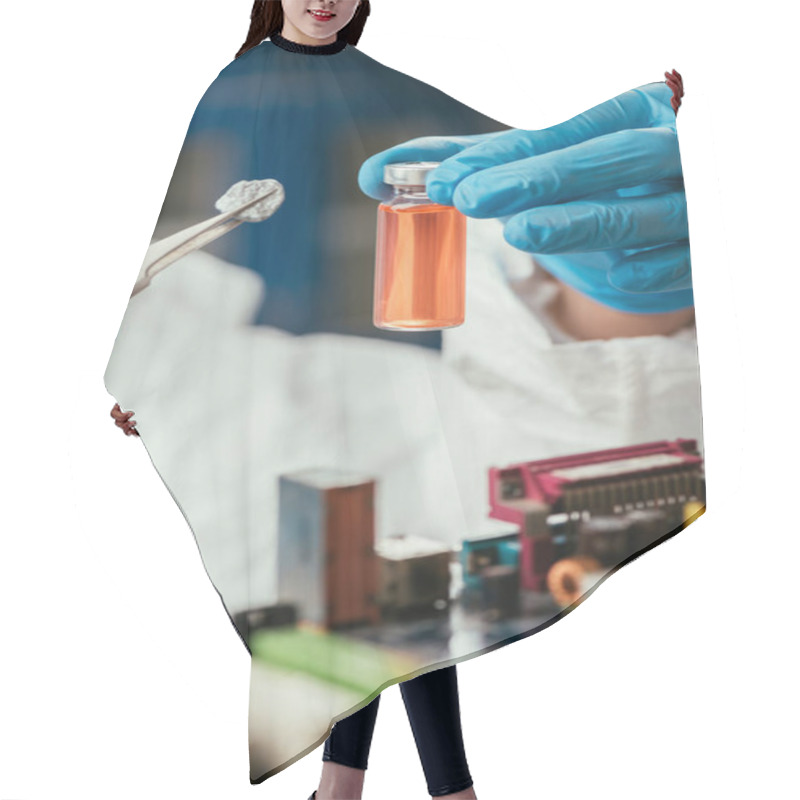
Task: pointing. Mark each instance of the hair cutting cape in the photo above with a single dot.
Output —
(373, 504)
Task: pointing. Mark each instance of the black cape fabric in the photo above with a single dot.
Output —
(364, 501)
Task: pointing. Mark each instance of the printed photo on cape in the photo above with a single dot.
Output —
(371, 502)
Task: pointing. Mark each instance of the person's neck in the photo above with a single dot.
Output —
(294, 34)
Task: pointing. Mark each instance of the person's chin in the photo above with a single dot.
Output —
(315, 33)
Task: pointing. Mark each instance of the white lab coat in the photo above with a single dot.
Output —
(224, 407)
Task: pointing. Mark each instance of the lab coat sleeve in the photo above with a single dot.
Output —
(173, 316)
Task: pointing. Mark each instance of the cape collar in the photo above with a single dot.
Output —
(311, 49)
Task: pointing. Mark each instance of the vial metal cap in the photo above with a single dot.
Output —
(408, 173)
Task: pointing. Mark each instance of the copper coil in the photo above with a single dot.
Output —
(569, 579)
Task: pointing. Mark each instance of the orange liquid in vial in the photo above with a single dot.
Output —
(420, 267)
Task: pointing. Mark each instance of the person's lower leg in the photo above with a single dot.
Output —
(433, 709)
(464, 794)
(346, 754)
(339, 782)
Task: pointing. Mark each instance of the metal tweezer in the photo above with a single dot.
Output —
(167, 251)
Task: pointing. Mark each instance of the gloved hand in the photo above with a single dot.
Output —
(598, 199)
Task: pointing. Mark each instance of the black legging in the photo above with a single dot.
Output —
(432, 706)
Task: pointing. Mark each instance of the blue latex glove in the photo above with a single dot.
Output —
(598, 199)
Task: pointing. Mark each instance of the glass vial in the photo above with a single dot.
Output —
(420, 256)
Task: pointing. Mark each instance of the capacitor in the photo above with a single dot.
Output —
(648, 525)
(605, 538)
(501, 591)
